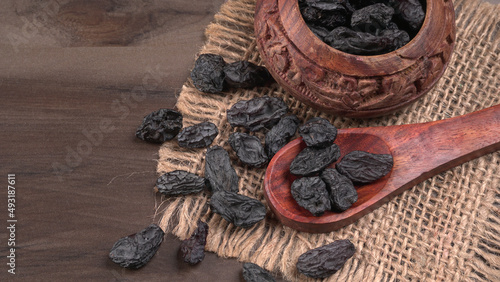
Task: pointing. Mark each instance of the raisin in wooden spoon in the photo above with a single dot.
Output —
(420, 151)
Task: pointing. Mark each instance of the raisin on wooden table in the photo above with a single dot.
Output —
(193, 249)
(179, 182)
(257, 113)
(255, 273)
(318, 132)
(136, 250)
(311, 194)
(198, 136)
(363, 167)
(340, 188)
(244, 74)
(219, 172)
(280, 134)
(160, 126)
(208, 73)
(240, 210)
(312, 160)
(325, 260)
(248, 148)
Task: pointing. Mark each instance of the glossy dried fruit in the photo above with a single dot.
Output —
(208, 73)
(179, 182)
(244, 74)
(255, 273)
(318, 132)
(340, 188)
(364, 43)
(198, 136)
(371, 18)
(410, 14)
(280, 134)
(325, 260)
(218, 170)
(363, 167)
(319, 31)
(359, 4)
(312, 160)
(135, 250)
(311, 194)
(160, 126)
(193, 249)
(248, 148)
(257, 113)
(238, 209)
(329, 14)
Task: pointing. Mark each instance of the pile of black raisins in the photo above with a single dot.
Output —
(211, 74)
(318, 189)
(364, 27)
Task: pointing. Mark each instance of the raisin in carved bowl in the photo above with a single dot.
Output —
(352, 85)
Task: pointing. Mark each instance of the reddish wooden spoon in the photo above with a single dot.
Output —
(420, 151)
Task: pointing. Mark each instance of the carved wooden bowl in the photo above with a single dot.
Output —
(352, 85)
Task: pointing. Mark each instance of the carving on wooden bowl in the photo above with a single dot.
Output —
(349, 85)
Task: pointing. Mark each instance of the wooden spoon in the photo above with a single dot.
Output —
(420, 151)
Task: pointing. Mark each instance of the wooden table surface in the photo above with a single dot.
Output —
(76, 79)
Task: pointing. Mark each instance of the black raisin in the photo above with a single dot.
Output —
(363, 167)
(318, 132)
(198, 136)
(329, 14)
(409, 13)
(257, 113)
(244, 74)
(218, 170)
(280, 134)
(311, 194)
(341, 189)
(208, 73)
(160, 126)
(135, 250)
(179, 182)
(319, 31)
(312, 160)
(255, 273)
(193, 249)
(238, 209)
(365, 43)
(373, 17)
(325, 260)
(248, 148)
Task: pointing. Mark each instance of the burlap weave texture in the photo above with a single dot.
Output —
(446, 228)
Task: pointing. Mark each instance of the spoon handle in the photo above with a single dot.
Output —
(423, 150)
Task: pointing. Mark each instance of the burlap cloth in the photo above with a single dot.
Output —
(446, 228)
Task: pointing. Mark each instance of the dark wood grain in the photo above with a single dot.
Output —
(420, 151)
(76, 79)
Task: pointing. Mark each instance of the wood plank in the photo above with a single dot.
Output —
(74, 88)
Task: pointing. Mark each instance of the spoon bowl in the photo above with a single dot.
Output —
(419, 151)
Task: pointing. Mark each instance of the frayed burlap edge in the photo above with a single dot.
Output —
(446, 228)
